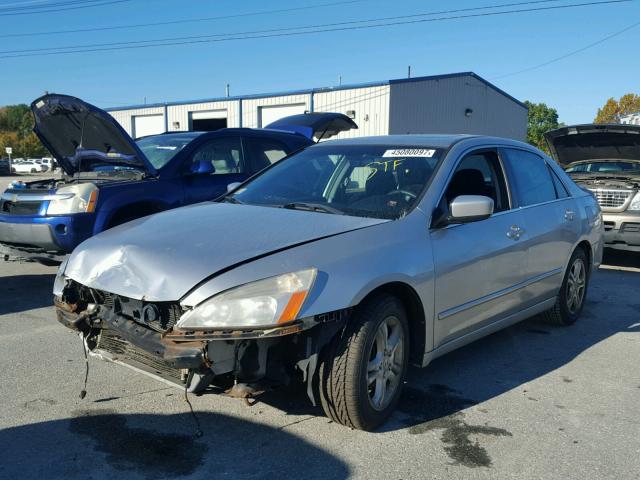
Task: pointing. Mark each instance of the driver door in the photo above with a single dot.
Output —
(212, 166)
(480, 265)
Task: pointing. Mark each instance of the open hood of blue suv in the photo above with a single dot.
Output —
(81, 136)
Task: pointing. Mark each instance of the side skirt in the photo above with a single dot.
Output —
(488, 329)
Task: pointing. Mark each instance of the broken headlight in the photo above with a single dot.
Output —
(79, 198)
(266, 303)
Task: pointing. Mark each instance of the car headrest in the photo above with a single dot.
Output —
(380, 182)
(468, 181)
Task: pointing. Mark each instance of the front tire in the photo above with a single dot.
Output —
(362, 373)
(573, 292)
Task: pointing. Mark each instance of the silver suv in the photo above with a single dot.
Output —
(605, 159)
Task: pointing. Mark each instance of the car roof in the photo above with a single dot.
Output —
(427, 140)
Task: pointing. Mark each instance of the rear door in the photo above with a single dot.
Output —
(479, 266)
(220, 161)
(262, 151)
(550, 218)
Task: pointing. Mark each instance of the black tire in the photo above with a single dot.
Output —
(344, 390)
(565, 312)
(33, 170)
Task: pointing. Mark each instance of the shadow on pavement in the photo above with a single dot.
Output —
(105, 444)
(19, 293)
(510, 358)
(617, 258)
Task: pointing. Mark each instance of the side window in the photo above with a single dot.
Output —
(223, 154)
(480, 174)
(265, 151)
(531, 176)
(561, 190)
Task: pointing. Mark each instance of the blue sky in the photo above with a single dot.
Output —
(489, 46)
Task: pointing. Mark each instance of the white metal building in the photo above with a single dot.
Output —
(632, 119)
(452, 103)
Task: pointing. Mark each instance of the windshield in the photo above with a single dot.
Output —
(620, 167)
(160, 149)
(380, 181)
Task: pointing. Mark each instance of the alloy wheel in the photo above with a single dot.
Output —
(576, 283)
(384, 369)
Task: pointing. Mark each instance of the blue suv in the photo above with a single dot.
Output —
(110, 179)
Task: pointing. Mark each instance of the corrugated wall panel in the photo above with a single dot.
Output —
(251, 107)
(371, 106)
(125, 117)
(438, 106)
(179, 114)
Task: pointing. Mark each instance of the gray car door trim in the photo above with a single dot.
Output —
(500, 293)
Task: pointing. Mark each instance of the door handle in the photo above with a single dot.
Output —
(569, 215)
(515, 232)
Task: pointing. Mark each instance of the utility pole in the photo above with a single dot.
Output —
(227, 90)
(340, 80)
(409, 72)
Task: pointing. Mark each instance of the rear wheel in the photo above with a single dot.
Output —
(33, 170)
(362, 374)
(573, 292)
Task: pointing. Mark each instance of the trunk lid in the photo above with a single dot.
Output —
(316, 125)
(594, 142)
(80, 135)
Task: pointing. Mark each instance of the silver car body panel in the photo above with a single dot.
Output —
(163, 256)
(471, 279)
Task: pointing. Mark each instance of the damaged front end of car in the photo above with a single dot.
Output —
(147, 337)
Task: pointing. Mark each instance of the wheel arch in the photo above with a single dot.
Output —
(415, 315)
(131, 210)
(585, 245)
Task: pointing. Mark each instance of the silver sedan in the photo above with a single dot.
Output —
(338, 266)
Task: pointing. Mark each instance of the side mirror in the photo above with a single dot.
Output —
(233, 186)
(470, 208)
(202, 167)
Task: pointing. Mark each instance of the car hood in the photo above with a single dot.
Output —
(80, 135)
(594, 142)
(164, 256)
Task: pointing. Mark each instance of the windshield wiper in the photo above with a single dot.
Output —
(312, 207)
(229, 199)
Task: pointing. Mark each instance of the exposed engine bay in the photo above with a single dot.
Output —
(141, 335)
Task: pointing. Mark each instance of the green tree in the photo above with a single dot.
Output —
(613, 109)
(16, 131)
(541, 119)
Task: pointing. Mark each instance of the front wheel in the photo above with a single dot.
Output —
(362, 374)
(573, 292)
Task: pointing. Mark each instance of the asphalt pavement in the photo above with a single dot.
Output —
(530, 402)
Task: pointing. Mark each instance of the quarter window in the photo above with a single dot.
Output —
(531, 176)
(561, 190)
(224, 154)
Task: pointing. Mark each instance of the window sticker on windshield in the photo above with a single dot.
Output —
(410, 152)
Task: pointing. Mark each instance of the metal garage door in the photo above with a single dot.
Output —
(270, 114)
(144, 125)
(207, 121)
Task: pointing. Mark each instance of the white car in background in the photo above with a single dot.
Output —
(28, 166)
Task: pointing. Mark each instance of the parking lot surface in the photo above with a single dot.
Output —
(532, 401)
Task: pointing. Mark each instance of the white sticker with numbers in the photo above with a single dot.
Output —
(409, 152)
